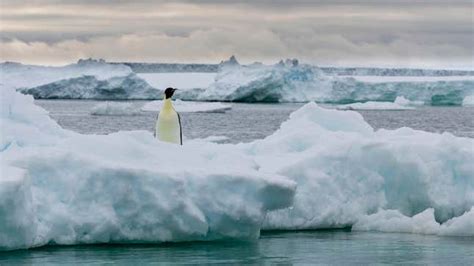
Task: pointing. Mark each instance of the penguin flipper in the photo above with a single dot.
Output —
(180, 130)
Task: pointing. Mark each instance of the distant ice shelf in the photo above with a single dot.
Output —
(283, 82)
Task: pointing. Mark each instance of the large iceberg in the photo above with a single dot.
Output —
(346, 170)
(60, 187)
(87, 79)
(16, 75)
(129, 87)
(303, 83)
(322, 169)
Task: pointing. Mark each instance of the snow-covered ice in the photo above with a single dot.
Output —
(114, 108)
(346, 170)
(189, 106)
(330, 166)
(181, 81)
(123, 187)
(285, 82)
(303, 83)
(16, 75)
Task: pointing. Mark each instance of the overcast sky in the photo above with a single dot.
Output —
(417, 33)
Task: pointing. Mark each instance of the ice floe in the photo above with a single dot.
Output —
(189, 106)
(115, 108)
(322, 169)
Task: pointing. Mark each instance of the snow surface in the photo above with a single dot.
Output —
(468, 101)
(61, 187)
(181, 81)
(400, 103)
(114, 108)
(189, 107)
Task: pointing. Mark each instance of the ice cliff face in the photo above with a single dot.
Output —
(16, 75)
(302, 83)
(128, 87)
(345, 170)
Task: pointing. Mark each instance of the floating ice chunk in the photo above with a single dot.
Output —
(124, 187)
(215, 139)
(129, 187)
(405, 102)
(374, 106)
(422, 223)
(189, 107)
(400, 103)
(468, 101)
(114, 108)
(345, 170)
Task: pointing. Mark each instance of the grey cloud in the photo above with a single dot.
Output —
(338, 32)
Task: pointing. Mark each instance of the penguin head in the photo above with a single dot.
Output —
(169, 92)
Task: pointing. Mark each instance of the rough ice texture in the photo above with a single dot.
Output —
(285, 82)
(128, 87)
(302, 83)
(345, 170)
(60, 187)
(422, 223)
(114, 108)
(189, 107)
(16, 75)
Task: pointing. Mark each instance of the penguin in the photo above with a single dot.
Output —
(168, 124)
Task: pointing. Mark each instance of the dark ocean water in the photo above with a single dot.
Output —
(247, 122)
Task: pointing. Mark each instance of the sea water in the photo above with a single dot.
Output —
(303, 247)
(246, 122)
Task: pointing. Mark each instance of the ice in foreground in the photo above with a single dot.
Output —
(60, 187)
(189, 107)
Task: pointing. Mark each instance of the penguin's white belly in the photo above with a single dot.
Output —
(168, 127)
